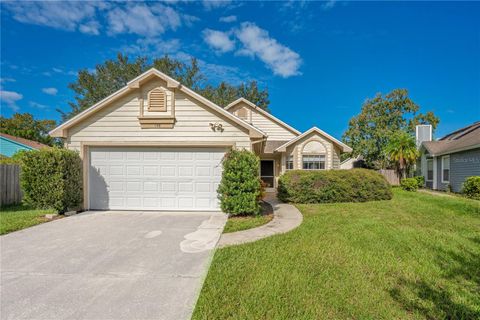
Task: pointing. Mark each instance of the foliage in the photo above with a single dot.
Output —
(19, 217)
(240, 188)
(414, 257)
(471, 187)
(370, 131)
(402, 151)
(356, 185)
(239, 223)
(51, 178)
(420, 181)
(110, 76)
(23, 125)
(409, 184)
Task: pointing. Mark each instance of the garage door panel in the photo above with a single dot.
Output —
(154, 178)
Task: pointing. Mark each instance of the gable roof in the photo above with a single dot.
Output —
(24, 142)
(135, 84)
(264, 113)
(345, 148)
(463, 139)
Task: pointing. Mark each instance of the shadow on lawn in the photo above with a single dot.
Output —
(436, 301)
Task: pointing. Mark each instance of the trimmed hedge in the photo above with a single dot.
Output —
(52, 178)
(356, 185)
(409, 184)
(240, 190)
(471, 187)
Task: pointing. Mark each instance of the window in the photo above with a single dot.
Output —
(314, 162)
(429, 169)
(446, 169)
(289, 163)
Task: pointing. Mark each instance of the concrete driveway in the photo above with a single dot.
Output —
(108, 265)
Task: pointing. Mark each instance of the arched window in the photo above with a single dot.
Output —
(314, 156)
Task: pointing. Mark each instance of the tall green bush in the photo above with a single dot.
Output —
(356, 185)
(52, 178)
(471, 187)
(240, 189)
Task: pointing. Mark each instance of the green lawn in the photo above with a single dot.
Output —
(19, 217)
(240, 223)
(414, 257)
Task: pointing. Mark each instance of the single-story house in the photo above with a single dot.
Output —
(158, 145)
(447, 162)
(9, 145)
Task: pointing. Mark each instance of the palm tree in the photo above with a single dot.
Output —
(402, 150)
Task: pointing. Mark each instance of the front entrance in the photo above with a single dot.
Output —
(267, 173)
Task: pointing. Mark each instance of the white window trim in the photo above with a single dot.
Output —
(319, 154)
(287, 160)
(443, 180)
(433, 171)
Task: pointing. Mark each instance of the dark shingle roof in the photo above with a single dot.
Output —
(270, 146)
(465, 138)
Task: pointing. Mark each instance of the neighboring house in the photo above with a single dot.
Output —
(351, 163)
(451, 159)
(9, 145)
(158, 145)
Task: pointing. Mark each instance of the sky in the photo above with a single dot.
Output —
(319, 60)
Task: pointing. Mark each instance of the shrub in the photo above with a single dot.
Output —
(420, 181)
(409, 184)
(52, 178)
(240, 189)
(356, 185)
(471, 187)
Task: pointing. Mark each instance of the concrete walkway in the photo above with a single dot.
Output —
(285, 218)
(438, 193)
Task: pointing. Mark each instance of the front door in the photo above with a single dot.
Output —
(267, 173)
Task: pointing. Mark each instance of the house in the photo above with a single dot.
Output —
(447, 162)
(158, 145)
(9, 145)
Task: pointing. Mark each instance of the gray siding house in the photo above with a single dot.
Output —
(447, 162)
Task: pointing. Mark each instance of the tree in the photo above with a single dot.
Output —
(402, 151)
(23, 125)
(110, 76)
(369, 132)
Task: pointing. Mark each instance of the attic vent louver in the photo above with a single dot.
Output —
(157, 100)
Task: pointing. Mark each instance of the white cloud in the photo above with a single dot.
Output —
(143, 20)
(257, 43)
(3, 80)
(65, 15)
(50, 91)
(228, 19)
(10, 98)
(327, 5)
(218, 40)
(37, 105)
(91, 27)
(214, 4)
(152, 46)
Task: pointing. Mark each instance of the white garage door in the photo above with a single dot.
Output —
(154, 178)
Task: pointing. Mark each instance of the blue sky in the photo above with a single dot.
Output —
(319, 60)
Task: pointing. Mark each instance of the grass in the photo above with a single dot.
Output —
(18, 217)
(416, 256)
(239, 223)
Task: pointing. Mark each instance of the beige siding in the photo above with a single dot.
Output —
(274, 130)
(119, 123)
(332, 153)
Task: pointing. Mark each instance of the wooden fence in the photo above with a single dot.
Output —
(10, 192)
(391, 176)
